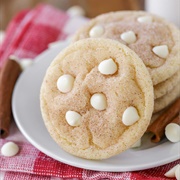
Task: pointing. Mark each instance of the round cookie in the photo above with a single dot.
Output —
(167, 99)
(75, 120)
(165, 87)
(155, 40)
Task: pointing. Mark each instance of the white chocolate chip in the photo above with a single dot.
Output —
(177, 173)
(25, 63)
(9, 149)
(107, 67)
(98, 101)
(76, 11)
(65, 83)
(172, 132)
(129, 37)
(73, 118)
(145, 19)
(171, 172)
(96, 31)
(130, 116)
(137, 144)
(161, 51)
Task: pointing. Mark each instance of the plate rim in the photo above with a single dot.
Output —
(66, 161)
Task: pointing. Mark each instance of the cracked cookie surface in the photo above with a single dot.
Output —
(100, 132)
(155, 40)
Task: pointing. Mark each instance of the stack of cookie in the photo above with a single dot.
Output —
(156, 42)
(99, 94)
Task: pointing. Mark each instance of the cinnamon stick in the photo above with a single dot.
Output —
(9, 74)
(176, 119)
(158, 126)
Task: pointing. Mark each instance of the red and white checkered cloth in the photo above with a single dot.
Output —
(28, 34)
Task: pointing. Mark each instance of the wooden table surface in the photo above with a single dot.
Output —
(8, 8)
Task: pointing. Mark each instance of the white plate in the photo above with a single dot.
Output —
(26, 110)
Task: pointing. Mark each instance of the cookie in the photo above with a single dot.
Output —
(166, 86)
(167, 99)
(96, 98)
(155, 40)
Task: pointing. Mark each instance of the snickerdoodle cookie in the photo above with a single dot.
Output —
(96, 98)
(155, 40)
(167, 99)
(166, 86)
